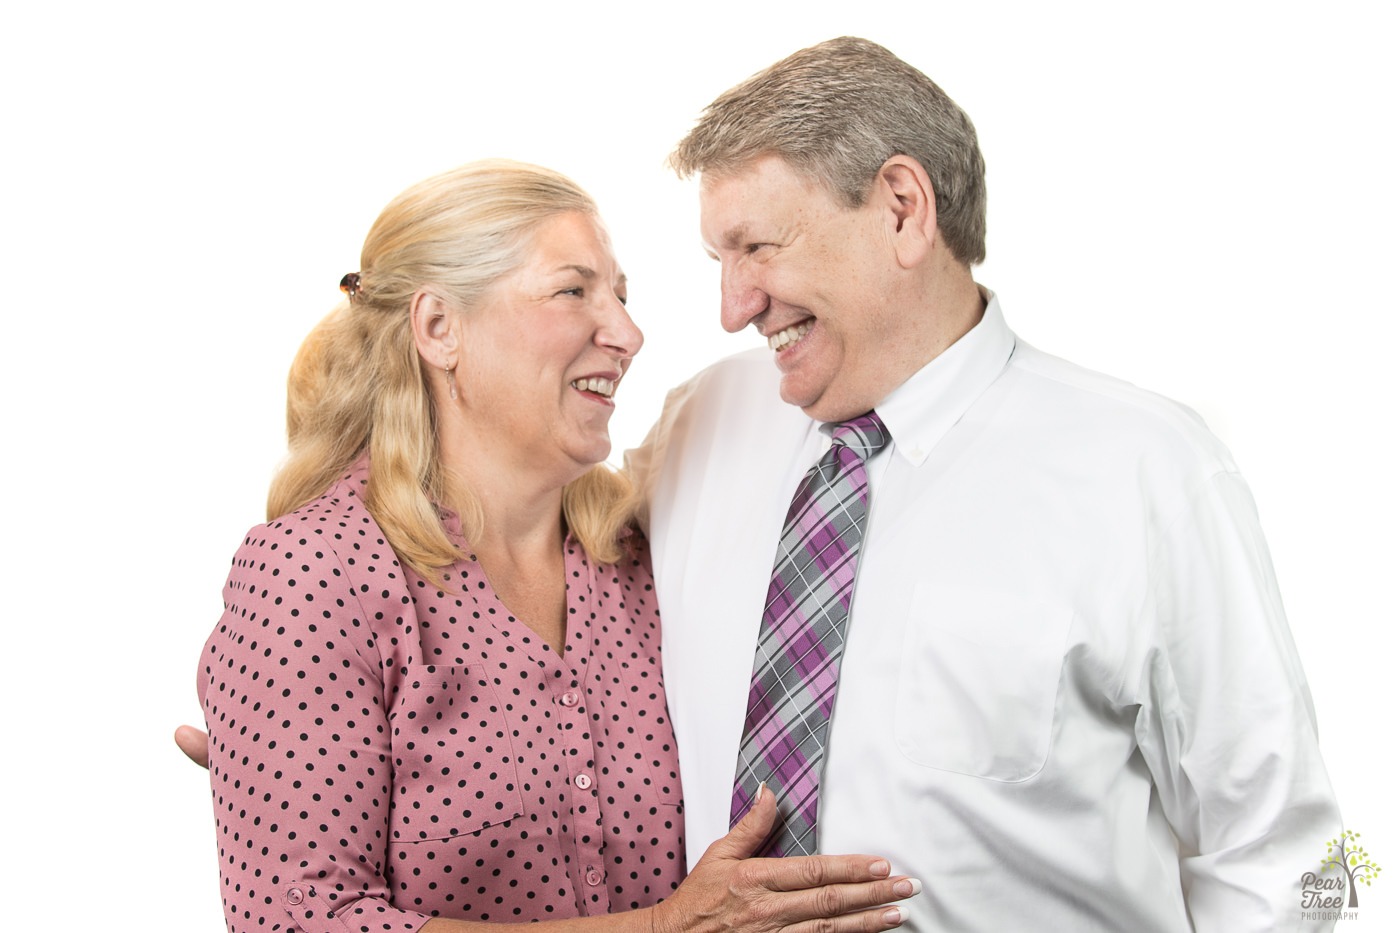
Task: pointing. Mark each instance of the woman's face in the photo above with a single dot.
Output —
(543, 353)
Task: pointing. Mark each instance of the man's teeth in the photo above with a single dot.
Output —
(791, 335)
(603, 387)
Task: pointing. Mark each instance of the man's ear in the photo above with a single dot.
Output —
(905, 195)
(434, 329)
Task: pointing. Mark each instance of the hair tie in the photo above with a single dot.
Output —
(350, 284)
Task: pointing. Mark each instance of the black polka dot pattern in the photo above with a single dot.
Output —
(382, 752)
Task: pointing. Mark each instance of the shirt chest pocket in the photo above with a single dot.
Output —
(979, 680)
(454, 763)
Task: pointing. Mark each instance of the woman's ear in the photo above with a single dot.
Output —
(905, 193)
(434, 330)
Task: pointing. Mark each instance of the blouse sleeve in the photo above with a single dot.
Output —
(299, 758)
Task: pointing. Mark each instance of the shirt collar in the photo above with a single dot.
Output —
(932, 400)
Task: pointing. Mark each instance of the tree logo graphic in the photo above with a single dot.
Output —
(1347, 854)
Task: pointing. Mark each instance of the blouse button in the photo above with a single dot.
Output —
(583, 781)
(569, 699)
(594, 877)
(294, 896)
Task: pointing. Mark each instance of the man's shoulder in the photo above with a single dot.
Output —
(736, 395)
(1076, 398)
(730, 408)
(749, 375)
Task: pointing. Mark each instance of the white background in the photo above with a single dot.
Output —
(1199, 198)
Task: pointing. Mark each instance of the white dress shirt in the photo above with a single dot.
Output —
(1069, 698)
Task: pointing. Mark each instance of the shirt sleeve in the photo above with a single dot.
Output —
(299, 756)
(643, 464)
(1226, 723)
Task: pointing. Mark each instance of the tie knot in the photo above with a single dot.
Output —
(866, 435)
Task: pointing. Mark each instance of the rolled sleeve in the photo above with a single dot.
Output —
(1226, 724)
(300, 762)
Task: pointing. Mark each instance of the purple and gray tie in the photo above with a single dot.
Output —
(797, 663)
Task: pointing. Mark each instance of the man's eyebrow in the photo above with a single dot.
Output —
(735, 236)
(732, 238)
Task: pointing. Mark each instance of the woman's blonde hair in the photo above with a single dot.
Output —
(357, 383)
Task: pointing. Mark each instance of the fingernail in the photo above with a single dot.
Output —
(895, 916)
(907, 887)
(879, 868)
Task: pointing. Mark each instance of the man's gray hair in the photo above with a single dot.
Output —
(836, 112)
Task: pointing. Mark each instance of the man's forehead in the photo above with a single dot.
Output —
(724, 221)
(728, 224)
(729, 197)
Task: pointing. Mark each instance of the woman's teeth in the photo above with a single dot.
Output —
(789, 335)
(603, 387)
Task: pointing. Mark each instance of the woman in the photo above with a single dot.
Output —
(435, 690)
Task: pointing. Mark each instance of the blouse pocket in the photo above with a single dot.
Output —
(639, 750)
(454, 766)
(979, 680)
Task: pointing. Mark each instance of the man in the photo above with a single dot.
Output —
(1068, 697)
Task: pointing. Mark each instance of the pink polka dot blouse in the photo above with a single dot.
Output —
(382, 752)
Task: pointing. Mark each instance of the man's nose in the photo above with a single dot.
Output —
(740, 300)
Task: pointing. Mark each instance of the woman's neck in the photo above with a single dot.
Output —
(520, 546)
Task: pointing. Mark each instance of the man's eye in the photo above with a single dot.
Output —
(622, 299)
(752, 248)
(576, 291)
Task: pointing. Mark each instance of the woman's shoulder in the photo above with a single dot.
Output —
(307, 602)
(330, 545)
(338, 518)
(633, 564)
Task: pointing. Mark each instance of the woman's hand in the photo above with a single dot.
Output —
(728, 892)
(194, 743)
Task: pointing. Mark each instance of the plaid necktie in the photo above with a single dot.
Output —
(797, 664)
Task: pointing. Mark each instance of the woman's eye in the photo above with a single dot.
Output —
(576, 291)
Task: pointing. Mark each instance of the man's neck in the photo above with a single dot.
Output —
(941, 313)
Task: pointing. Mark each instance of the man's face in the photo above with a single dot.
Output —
(811, 276)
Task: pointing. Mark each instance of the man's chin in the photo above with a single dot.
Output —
(824, 406)
(794, 392)
(820, 401)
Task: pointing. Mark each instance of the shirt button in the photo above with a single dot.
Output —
(569, 699)
(594, 877)
(294, 896)
(583, 781)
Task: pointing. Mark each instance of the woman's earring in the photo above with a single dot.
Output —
(451, 382)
